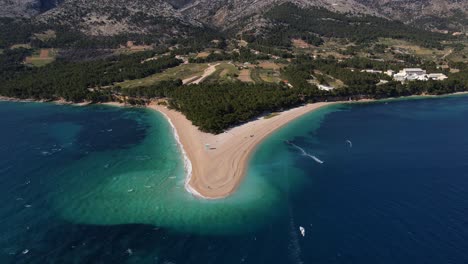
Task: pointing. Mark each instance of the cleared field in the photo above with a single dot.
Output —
(46, 35)
(243, 43)
(459, 54)
(321, 77)
(259, 75)
(271, 65)
(300, 44)
(203, 54)
(41, 58)
(225, 72)
(330, 47)
(182, 72)
(206, 74)
(337, 83)
(272, 115)
(244, 76)
(17, 46)
(425, 53)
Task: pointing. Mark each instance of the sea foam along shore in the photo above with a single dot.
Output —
(216, 164)
(187, 163)
(216, 172)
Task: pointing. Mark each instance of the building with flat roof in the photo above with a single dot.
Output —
(417, 74)
(325, 87)
(437, 76)
(413, 71)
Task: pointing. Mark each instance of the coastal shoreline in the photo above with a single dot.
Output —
(187, 162)
(215, 165)
(209, 177)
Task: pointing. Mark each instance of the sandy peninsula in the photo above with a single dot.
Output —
(216, 164)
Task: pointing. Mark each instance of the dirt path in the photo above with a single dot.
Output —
(447, 54)
(208, 71)
(190, 79)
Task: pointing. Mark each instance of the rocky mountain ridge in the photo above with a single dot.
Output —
(108, 18)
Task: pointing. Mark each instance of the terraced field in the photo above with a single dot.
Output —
(41, 58)
(225, 72)
(184, 71)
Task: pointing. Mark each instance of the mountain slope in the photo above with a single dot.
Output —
(443, 14)
(226, 14)
(170, 19)
(19, 8)
(113, 17)
(26, 8)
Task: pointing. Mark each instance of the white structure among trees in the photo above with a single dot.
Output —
(417, 74)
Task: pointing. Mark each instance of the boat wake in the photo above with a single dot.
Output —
(305, 153)
(294, 246)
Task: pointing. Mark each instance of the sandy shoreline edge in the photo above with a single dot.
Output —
(215, 165)
(216, 171)
(187, 162)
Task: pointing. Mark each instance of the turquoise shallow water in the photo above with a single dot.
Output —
(105, 185)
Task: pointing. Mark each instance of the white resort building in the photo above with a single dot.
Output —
(325, 87)
(372, 71)
(437, 76)
(417, 74)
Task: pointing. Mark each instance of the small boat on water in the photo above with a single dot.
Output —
(302, 231)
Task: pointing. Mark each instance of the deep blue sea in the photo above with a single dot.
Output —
(370, 183)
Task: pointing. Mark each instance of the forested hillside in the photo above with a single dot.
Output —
(311, 24)
(221, 75)
(76, 81)
(216, 107)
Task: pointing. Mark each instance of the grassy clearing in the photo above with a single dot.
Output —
(243, 43)
(184, 71)
(245, 76)
(271, 115)
(255, 75)
(38, 62)
(300, 44)
(336, 83)
(225, 72)
(17, 46)
(459, 54)
(260, 75)
(41, 57)
(269, 65)
(203, 54)
(46, 35)
(411, 48)
(330, 47)
(321, 78)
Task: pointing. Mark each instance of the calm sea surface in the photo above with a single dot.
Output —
(369, 183)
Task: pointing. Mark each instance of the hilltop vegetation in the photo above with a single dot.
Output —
(241, 73)
(216, 107)
(311, 24)
(76, 81)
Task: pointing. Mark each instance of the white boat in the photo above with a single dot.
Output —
(302, 231)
